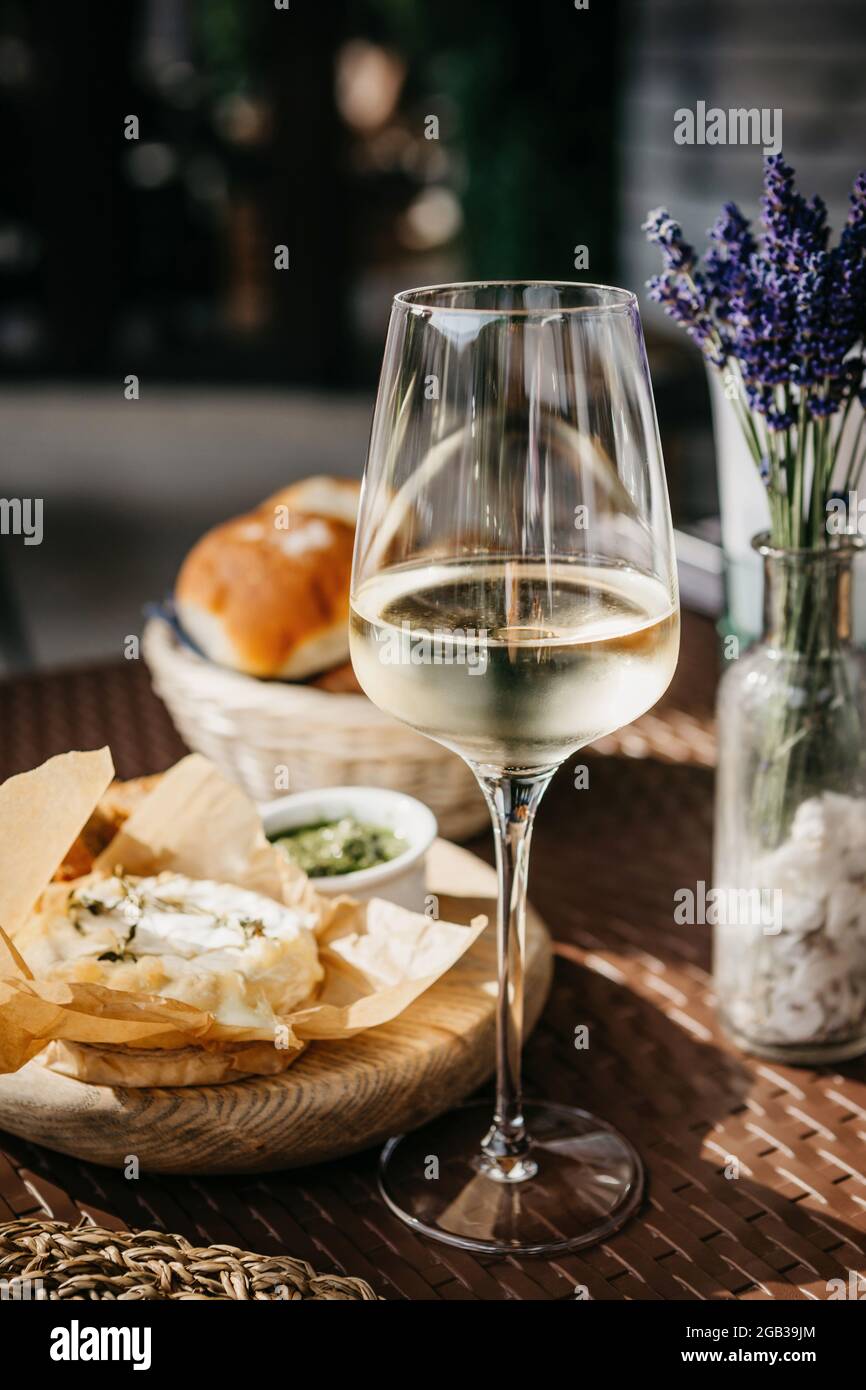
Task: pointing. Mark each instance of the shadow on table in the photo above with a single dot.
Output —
(744, 1175)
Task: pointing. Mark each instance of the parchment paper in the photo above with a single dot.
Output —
(377, 957)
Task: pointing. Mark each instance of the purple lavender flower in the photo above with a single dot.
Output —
(777, 208)
(681, 289)
(790, 311)
(811, 311)
(845, 313)
(856, 224)
(664, 232)
(729, 260)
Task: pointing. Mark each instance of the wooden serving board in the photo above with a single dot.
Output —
(339, 1097)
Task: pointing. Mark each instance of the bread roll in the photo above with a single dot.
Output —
(268, 593)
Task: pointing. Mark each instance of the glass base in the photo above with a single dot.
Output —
(818, 1054)
(583, 1181)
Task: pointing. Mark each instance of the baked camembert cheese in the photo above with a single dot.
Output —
(243, 957)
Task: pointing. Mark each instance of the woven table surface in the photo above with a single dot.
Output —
(757, 1173)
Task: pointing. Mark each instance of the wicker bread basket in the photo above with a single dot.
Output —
(251, 728)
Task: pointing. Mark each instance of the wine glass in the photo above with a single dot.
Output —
(514, 597)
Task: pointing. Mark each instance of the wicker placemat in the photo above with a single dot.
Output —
(51, 1260)
(757, 1173)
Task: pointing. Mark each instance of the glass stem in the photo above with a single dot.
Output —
(513, 802)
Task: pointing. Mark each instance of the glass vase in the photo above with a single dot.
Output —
(788, 905)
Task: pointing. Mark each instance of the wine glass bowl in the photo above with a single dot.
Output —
(514, 597)
(527, 659)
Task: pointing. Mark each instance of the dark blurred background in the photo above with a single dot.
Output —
(383, 143)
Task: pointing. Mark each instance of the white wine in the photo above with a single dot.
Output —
(514, 663)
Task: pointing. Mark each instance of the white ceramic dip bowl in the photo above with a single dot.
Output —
(400, 880)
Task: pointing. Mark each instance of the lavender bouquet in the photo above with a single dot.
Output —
(781, 315)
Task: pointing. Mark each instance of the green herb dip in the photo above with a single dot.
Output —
(331, 847)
